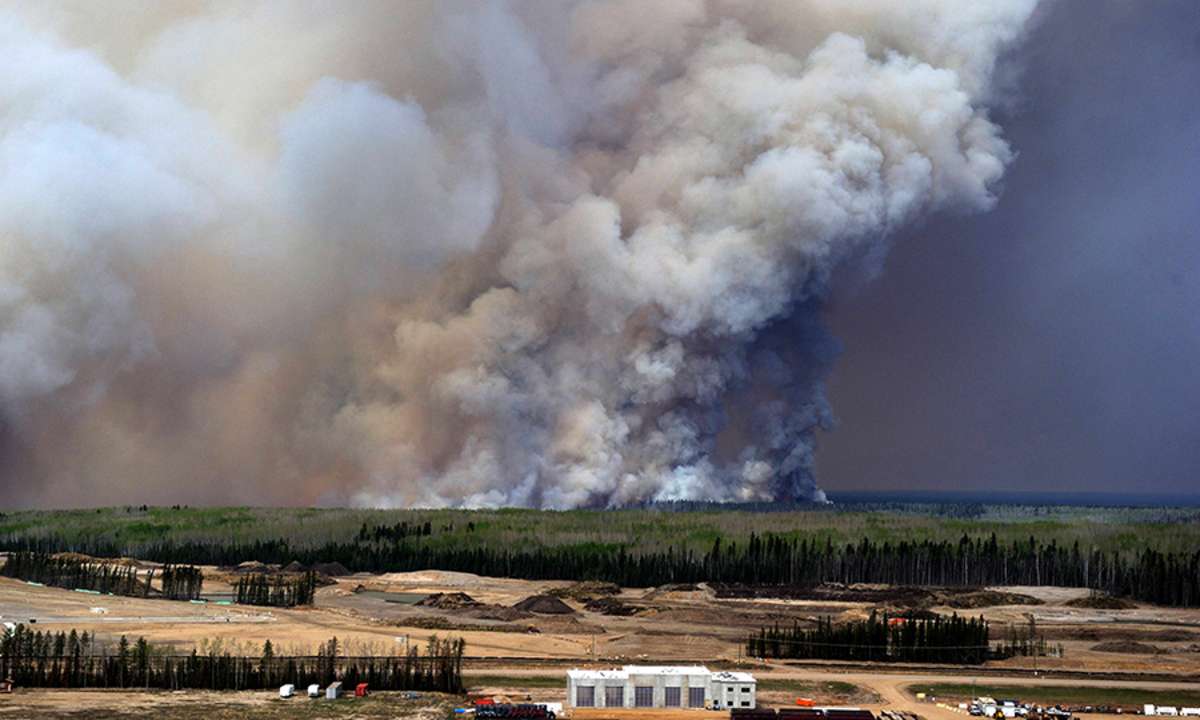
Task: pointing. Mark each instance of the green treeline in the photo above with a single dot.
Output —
(277, 591)
(178, 582)
(1166, 578)
(61, 660)
(880, 639)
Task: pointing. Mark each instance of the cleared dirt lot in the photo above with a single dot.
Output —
(874, 691)
(375, 614)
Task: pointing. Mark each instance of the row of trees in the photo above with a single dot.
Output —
(178, 582)
(74, 660)
(182, 582)
(277, 590)
(880, 639)
(1025, 641)
(72, 573)
(1150, 575)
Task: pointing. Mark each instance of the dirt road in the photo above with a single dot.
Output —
(892, 687)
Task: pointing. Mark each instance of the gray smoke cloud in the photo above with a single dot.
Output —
(440, 253)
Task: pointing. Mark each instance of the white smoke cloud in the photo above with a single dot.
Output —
(449, 253)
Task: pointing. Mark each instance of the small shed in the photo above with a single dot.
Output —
(361, 690)
(314, 690)
(286, 691)
(334, 691)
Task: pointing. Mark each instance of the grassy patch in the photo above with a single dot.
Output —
(1069, 695)
(515, 681)
(827, 691)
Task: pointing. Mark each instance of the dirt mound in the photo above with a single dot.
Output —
(911, 613)
(294, 566)
(331, 569)
(544, 605)
(80, 557)
(1128, 647)
(1106, 634)
(584, 590)
(448, 601)
(1101, 602)
(253, 567)
(902, 597)
(986, 598)
(610, 606)
(499, 612)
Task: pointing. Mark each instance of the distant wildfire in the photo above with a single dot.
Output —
(457, 253)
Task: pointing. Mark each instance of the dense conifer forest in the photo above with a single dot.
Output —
(1145, 554)
(80, 660)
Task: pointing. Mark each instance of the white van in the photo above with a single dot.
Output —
(286, 691)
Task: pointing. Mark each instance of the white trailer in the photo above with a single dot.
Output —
(314, 691)
(286, 691)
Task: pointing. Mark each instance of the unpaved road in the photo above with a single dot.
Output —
(891, 687)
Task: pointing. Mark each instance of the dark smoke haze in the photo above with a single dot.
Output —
(578, 253)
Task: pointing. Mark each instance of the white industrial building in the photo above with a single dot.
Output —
(655, 686)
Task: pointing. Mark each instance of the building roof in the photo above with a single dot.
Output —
(666, 670)
(726, 676)
(597, 674)
(625, 672)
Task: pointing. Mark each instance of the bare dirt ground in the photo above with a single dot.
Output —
(664, 625)
(376, 615)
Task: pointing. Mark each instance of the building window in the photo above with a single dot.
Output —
(671, 699)
(643, 696)
(696, 697)
(585, 696)
(745, 703)
(745, 689)
(614, 696)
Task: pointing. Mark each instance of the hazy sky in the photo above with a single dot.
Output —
(1054, 343)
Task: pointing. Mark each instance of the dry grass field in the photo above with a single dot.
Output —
(521, 655)
(374, 614)
(199, 705)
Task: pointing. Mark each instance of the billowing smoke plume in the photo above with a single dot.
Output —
(442, 253)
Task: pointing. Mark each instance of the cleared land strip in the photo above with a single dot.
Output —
(171, 619)
(873, 680)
